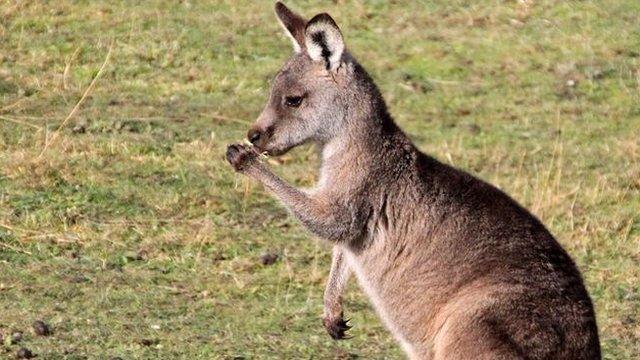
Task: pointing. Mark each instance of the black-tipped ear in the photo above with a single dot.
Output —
(323, 40)
(293, 25)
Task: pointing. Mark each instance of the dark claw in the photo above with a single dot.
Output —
(337, 329)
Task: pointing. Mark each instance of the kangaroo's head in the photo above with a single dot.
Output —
(306, 101)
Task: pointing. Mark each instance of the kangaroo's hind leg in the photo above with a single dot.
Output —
(474, 340)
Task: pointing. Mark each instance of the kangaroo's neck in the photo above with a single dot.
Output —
(369, 143)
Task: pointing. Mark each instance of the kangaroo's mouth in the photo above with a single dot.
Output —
(274, 150)
(273, 146)
(277, 152)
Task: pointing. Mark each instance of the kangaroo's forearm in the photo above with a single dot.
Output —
(327, 221)
(333, 317)
(338, 278)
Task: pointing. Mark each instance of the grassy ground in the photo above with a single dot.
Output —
(132, 238)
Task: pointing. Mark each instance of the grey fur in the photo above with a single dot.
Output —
(455, 268)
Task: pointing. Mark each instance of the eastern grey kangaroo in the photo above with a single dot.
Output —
(455, 268)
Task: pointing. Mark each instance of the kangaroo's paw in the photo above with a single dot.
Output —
(241, 157)
(337, 327)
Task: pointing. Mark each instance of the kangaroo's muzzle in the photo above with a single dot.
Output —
(260, 136)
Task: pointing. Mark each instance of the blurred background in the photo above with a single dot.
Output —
(123, 229)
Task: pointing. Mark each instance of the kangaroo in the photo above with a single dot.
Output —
(454, 267)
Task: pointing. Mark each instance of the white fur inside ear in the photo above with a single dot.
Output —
(324, 42)
(296, 47)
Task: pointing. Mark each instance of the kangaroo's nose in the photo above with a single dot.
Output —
(253, 135)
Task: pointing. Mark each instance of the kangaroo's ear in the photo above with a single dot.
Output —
(323, 40)
(293, 25)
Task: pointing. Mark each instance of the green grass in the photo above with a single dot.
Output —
(132, 237)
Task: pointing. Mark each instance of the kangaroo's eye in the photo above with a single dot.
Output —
(293, 101)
